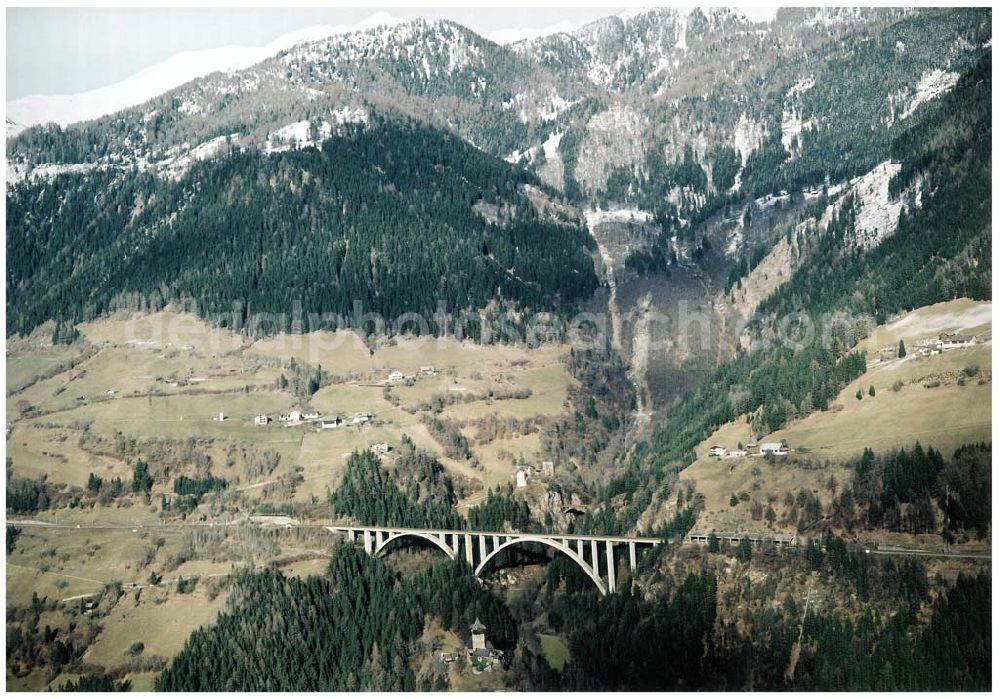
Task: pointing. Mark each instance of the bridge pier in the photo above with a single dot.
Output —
(368, 542)
(631, 556)
(595, 560)
(611, 566)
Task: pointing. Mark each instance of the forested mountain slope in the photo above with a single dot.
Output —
(940, 251)
(694, 116)
(382, 216)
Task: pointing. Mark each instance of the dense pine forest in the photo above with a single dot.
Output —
(382, 218)
(354, 629)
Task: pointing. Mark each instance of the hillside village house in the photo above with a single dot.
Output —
(773, 448)
(737, 453)
(330, 421)
(261, 420)
(396, 376)
(428, 369)
(380, 448)
(362, 416)
(953, 340)
(717, 451)
(310, 416)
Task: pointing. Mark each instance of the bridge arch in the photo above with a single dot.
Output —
(552, 543)
(417, 535)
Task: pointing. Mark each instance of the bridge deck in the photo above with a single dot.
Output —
(410, 530)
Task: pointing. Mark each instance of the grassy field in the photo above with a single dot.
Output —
(161, 330)
(548, 384)
(184, 416)
(161, 620)
(62, 563)
(339, 353)
(498, 466)
(24, 368)
(55, 452)
(944, 417)
(127, 370)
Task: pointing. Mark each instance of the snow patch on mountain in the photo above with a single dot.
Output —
(833, 16)
(311, 133)
(349, 115)
(19, 171)
(295, 135)
(182, 158)
(625, 215)
(190, 106)
(932, 84)
(556, 106)
(551, 145)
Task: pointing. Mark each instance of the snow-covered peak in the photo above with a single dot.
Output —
(631, 13)
(421, 48)
(515, 35)
(169, 74)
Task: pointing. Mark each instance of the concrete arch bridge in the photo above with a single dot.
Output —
(480, 548)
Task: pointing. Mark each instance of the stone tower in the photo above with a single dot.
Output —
(478, 636)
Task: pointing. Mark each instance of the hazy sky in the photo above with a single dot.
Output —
(69, 50)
